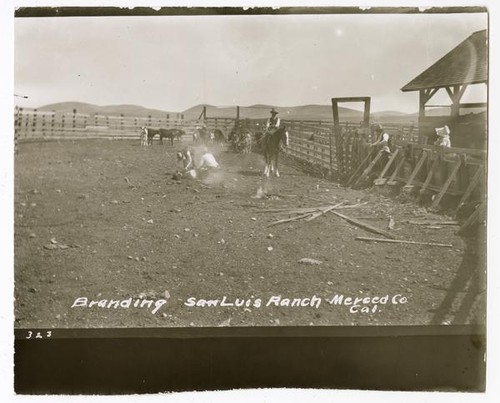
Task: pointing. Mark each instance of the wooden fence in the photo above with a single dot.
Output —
(345, 154)
(36, 125)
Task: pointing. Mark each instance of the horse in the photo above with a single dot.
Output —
(258, 139)
(171, 134)
(219, 137)
(203, 134)
(271, 147)
(150, 133)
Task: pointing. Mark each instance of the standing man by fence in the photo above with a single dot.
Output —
(382, 143)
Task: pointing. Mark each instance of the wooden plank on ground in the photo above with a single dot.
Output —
(445, 245)
(365, 226)
(433, 222)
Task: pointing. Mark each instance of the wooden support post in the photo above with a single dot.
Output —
(446, 185)
(369, 168)
(479, 211)
(472, 185)
(430, 174)
(419, 165)
(392, 179)
(360, 166)
(389, 163)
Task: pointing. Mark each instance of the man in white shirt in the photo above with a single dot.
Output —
(382, 141)
(207, 161)
(443, 136)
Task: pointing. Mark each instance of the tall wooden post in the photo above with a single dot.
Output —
(335, 132)
(52, 123)
(422, 99)
(43, 125)
(237, 114)
(74, 120)
(16, 127)
(33, 128)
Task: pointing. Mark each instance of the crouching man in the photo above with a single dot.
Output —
(207, 161)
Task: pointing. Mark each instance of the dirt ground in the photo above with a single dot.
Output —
(103, 220)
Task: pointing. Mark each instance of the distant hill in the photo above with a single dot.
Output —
(261, 111)
(110, 110)
(302, 112)
(258, 111)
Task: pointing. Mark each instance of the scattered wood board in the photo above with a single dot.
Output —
(308, 216)
(365, 226)
(444, 245)
(432, 222)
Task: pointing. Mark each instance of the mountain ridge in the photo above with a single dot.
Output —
(255, 111)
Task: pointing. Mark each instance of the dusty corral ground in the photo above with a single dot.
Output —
(103, 220)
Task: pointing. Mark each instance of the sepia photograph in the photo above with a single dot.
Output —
(305, 169)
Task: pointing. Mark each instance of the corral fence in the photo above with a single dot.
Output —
(37, 125)
(344, 154)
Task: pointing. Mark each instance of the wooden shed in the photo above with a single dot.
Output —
(464, 66)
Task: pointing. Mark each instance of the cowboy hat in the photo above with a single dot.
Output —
(274, 111)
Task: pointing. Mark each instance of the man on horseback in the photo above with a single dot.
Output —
(273, 123)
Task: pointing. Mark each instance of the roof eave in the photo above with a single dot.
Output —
(408, 88)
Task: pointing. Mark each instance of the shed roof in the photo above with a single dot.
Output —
(467, 63)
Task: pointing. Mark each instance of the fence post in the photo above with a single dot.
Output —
(26, 125)
(335, 132)
(52, 123)
(62, 123)
(121, 122)
(149, 120)
(16, 128)
(74, 122)
(43, 125)
(33, 125)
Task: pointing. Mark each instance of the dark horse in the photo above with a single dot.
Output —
(219, 137)
(271, 148)
(171, 134)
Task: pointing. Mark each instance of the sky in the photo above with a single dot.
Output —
(172, 63)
